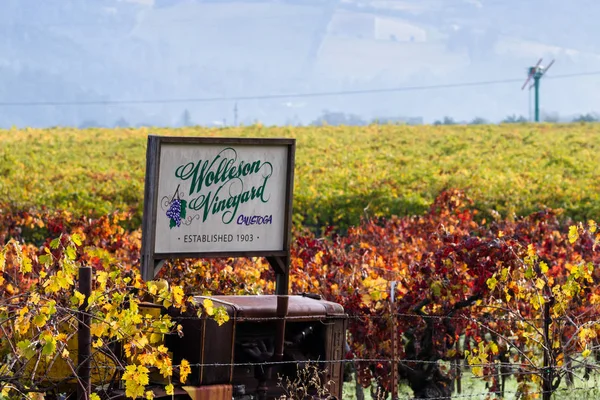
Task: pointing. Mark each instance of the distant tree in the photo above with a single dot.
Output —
(89, 124)
(338, 118)
(513, 119)
(479, 121)
(587, 118)
(551, 117)
(186, 119)
(122, 123)
(445, 121)
(397, 121)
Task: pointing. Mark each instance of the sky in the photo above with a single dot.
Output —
(147, 62)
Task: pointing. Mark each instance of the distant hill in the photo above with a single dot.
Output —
(178, 49)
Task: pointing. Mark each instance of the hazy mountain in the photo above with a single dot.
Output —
(146, 51)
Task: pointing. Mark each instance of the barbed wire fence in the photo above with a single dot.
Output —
(88, 363)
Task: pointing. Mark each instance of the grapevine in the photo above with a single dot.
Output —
(468, 290)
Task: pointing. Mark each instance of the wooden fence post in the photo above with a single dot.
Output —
(84, 337)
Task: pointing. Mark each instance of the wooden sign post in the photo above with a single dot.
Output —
(218, 197)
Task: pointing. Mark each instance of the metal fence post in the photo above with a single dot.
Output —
(84, 337)
(394, 341)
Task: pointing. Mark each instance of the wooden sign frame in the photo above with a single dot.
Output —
(152, 262)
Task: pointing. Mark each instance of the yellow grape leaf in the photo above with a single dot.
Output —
(156, 338)
(169, 389)
(152, 287)
(40, 320)
(136, 378)
(166, 303)
(586, 353)
(537, 302)
(556, 344)
(166, 368)
(494, 348)
(592, 225)
(79, 297)
(531, 250)
(366, 299)
(162, 349)
(477, 371)
(573, 234)
(102, 278)
(149, 395)
(97, 329)
(539, 283)
(208, 306)
(177, 294)
(26, 265)
(221, 315)
(34, 298)
(492, 282)
(184, 370)
(148, 359)
(543, 267)
(76, 239)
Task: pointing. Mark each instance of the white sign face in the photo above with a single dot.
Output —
(220, 198)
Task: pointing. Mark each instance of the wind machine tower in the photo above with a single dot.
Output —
(536, 72)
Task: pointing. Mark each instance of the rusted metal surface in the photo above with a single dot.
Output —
(262, 340)
(265, 306)
(212, 392)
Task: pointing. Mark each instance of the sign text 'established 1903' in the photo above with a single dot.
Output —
(208, 197)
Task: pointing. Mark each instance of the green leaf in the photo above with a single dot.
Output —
(172, 224)
(436, 287)
(54, 243)
(183, 211)
(492, 282)
(529, 273)
(46, 259)
(71, 253)
(26, 348)
(49, 348)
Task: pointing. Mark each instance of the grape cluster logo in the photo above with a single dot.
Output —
(177, 210)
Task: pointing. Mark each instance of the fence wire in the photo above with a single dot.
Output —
(456, 364)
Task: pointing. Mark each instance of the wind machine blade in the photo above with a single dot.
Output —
(545, 69)
(532, 71)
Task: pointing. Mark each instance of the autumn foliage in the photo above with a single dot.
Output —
(513, 297)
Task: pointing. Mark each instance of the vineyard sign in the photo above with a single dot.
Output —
(216, 197)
